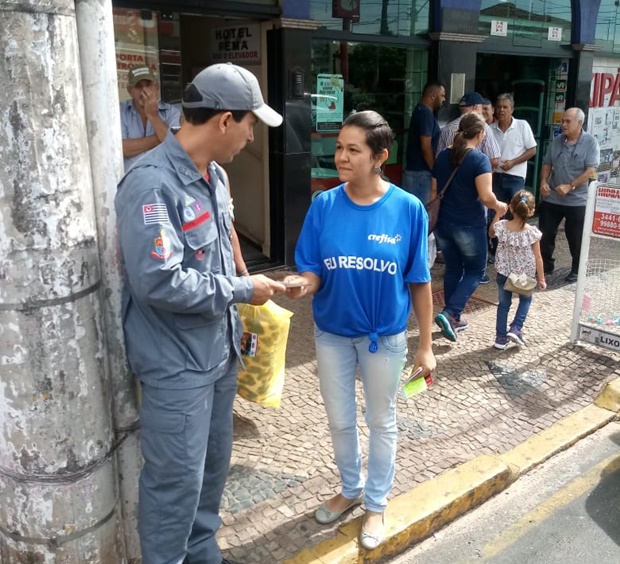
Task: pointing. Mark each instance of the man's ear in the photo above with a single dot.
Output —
(224, 121)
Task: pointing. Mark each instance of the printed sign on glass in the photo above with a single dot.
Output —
(328, 102)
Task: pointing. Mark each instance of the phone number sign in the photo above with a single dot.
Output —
(607, 211)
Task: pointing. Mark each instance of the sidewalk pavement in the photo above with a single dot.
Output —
(490, 416)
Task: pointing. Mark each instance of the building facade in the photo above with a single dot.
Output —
(320, 60)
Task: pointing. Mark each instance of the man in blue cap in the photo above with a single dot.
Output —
(470, 102)
(182, 329)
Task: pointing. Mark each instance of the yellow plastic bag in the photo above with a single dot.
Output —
(263, 348)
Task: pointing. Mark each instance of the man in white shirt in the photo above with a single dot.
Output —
(517, 145)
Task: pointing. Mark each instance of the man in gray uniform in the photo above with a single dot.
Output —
(570, 162)
(182, 329)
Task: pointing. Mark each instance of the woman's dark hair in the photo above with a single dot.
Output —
(471, 124)
(379, 134)
(198, 116)
(522, 205)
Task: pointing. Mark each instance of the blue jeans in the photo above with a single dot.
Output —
(186, 438)
(418, 183)
(505, 301)
(337, 361)
(505, 186)
(465, 253)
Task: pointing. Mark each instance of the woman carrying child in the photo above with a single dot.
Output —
(518, 252)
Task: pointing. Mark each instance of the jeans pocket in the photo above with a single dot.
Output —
(317, 332)
(395, 343)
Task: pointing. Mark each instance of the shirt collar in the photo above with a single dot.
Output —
(184, 166)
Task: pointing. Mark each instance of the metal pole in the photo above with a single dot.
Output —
(58, 494)
(95, 28)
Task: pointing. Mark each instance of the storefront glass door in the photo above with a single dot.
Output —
(350, 77)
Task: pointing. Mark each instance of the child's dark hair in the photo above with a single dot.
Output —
(522, 205)
(379, 134)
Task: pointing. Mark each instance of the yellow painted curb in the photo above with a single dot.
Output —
(610, 396)
(412, 516)
(557, 438)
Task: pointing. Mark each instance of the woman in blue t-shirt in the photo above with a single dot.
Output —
(461, 225)
(362, 253)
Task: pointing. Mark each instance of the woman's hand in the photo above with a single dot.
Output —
(501, 208)
(426, 359)
(296, 286)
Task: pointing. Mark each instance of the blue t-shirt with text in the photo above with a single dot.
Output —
(365, 257)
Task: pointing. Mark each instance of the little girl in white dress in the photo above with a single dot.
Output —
(518, 252)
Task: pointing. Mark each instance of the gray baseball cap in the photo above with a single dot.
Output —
(225, 86)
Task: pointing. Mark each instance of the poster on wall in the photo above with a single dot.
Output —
(607, 211)
(136, 43)
(604, 116)
(328, 102)
(236, 43)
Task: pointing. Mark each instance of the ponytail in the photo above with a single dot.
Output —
(458, 150)
(471, 124)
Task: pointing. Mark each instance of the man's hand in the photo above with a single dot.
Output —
(150, 98)
(264, 288)
(507, 165)
(563, 189)
(544, 189)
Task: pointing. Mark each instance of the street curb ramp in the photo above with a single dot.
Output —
(415, 515)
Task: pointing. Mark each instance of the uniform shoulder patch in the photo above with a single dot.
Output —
(155, 213)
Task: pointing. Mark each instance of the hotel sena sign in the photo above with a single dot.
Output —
(237, 44)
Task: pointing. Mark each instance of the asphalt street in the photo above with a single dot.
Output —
(566, 511)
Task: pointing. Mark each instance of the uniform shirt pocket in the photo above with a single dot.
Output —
(202, 250)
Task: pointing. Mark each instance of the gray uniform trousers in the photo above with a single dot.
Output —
(186, 437)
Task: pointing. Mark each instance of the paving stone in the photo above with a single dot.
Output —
(483, 401)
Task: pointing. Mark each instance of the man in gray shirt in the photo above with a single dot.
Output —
(182, 329)
(570, 162)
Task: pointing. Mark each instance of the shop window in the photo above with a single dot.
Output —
(376, 17)
(527, 23)
(607, 34)
(148, 37)
(350, 77)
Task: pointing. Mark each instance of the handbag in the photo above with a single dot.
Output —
(432, 208)
(520, 284)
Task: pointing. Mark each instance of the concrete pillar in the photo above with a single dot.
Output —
(95, 28)
(58, 493)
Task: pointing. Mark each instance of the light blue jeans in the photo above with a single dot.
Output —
(337, 360)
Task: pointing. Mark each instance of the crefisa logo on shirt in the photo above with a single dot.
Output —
(383, 238)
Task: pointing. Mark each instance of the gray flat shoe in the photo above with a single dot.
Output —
(371, 541)
(325, 516)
